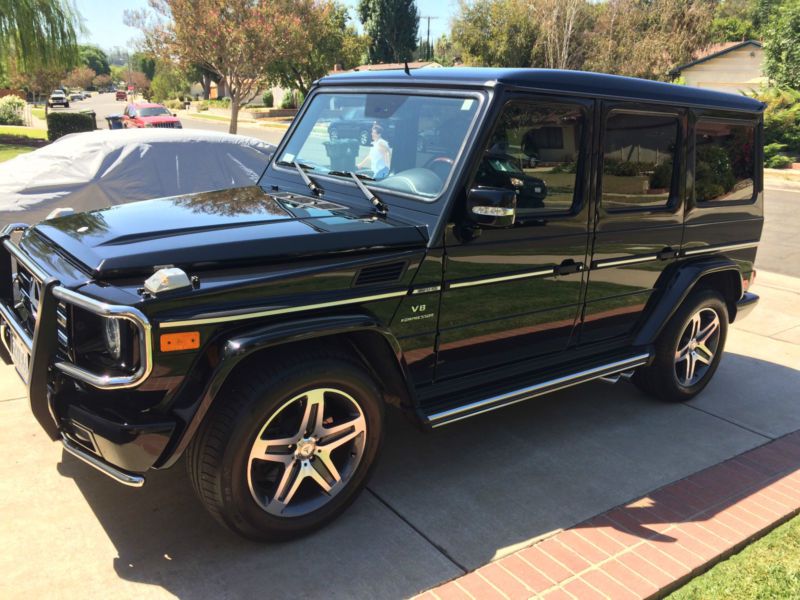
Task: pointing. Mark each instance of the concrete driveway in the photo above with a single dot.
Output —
(440, 503)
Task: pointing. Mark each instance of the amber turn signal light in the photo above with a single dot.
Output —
(186, 340)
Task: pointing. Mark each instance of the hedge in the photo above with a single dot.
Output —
(61, 123)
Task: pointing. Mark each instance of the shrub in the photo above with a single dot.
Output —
(780, 161)
(202, 105)
(781, 117)
(773, 150)
(174, 104)
(288, 100)
(11, 108)
(662, 175)
(61, 123)
(220, 103)
(267, 99)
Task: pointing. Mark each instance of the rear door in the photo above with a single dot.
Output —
(639, 222)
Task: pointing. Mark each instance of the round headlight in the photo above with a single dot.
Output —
(113, 338)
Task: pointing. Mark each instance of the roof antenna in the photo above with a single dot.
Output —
(406, 69)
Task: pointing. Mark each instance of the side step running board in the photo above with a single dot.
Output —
(620, 368)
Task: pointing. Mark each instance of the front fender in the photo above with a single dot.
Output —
(242, 344)
(679, 283)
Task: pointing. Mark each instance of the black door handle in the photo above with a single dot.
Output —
(568, 267)
(666, 254)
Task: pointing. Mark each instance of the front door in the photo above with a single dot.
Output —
(514, 294)
(640, 216)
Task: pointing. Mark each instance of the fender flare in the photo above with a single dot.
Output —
(245, 343)
(679, 284)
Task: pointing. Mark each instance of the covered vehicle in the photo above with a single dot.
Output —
(96, 169)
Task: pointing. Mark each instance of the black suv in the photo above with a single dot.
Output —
(260, 332)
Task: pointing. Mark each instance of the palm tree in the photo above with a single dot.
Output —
(38, 32)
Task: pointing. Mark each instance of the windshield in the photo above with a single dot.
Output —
(401, 142)
(153, 111)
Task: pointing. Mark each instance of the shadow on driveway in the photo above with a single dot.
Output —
(445, 501)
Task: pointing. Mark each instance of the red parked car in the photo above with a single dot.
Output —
(146, 114)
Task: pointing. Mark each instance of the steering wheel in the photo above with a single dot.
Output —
(440, 165)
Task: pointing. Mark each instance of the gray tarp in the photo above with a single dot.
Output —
(85, 171)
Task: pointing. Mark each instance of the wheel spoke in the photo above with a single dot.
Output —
(273, 450)
(694, 326)
(333, 437)
(287, 486)
(313, 414)
(325, 459)
(690, 367)
(682, 353)
(317, 476)
(703, 354)
(709, 330)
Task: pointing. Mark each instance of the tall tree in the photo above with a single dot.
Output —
(80, 77)
(94, 58)
(236, 39)
(335, 43)
(496, 33)
(38, 32)
(144, 62)
(647, 38)
(563, 25)
(392, 26)
(782, 45)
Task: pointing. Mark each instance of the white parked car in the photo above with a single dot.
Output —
(97, 169)
(58, 98)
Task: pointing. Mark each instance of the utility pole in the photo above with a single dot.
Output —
(428, 49)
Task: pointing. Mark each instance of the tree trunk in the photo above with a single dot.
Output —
(205, 81)
(234, 113)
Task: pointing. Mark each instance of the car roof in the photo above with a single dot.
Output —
(552, 80)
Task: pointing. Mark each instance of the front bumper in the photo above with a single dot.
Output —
(62, 395)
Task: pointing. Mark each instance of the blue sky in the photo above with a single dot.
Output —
(103, 19)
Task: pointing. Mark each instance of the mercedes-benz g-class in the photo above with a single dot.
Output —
(494, 236)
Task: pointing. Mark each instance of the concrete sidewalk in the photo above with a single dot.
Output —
(440, 505)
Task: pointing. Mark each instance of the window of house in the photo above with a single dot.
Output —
(638, 161)
(724, 161)
(534, 150)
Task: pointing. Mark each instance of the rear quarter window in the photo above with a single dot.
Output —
(724, 162)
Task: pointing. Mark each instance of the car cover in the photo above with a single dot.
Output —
(86, 171)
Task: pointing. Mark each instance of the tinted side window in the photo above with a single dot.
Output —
(724, 161)
(638, 161)
(534, 151)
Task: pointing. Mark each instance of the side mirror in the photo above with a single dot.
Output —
(492, 207)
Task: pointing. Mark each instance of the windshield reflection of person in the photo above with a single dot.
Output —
(380, 154)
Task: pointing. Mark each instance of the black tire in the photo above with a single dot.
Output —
(665, 379)
(218, 459)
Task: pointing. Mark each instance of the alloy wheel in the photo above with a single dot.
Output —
(697, 346)
(306, 452)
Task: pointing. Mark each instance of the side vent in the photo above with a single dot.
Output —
(380, 273)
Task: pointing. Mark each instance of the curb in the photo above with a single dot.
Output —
(651, 546)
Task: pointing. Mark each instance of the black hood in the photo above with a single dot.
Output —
(239, 226)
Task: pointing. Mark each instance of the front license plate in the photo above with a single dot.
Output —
(21, 358)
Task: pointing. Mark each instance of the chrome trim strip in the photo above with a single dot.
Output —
(494, 402)
(12, 227)
(120, 476)
(725, 248)
(276, 311)
(618, 262)
(110, 311)
(463, 284)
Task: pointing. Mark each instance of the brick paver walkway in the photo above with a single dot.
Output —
(652, 545)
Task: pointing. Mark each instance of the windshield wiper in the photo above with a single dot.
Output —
(380, 207)
(301, 168)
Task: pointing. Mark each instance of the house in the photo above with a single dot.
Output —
(732, 67)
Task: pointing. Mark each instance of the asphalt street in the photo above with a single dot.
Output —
(105, 105)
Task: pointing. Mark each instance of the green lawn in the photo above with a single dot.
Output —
(26, 132)
(38, 113)
(8, 151)
(767, 568)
